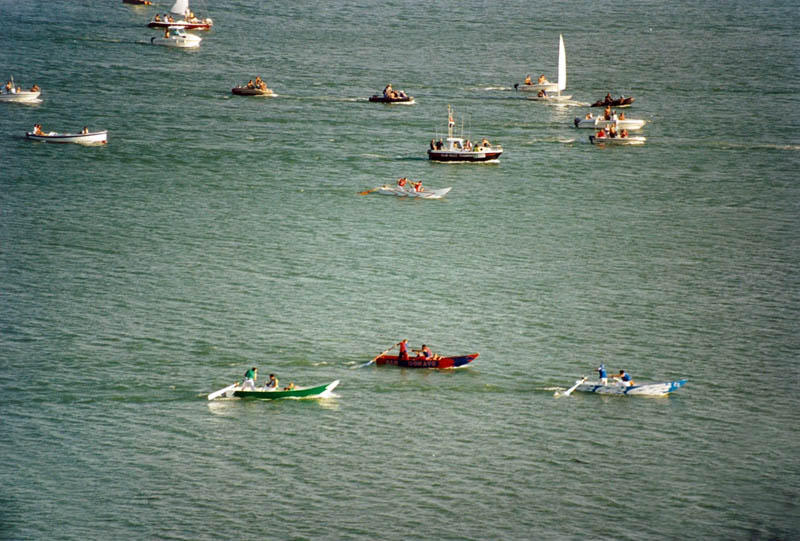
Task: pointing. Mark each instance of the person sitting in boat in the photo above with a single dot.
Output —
(271, 384)
(401, 94)
(166, 32)
(612, 131)
(157, 18)
(289, 387)
(37, 129)
(608, 98)
(418, 186)
(622, 115)
(542, 80)
(485, 142)
(601, 133)
(402, 182)
(170, 19)
(589, 116)
(433, 144)
(607, 113)
(528, 80)
(468, 145)
(624, 378)
(250, 377)
(623, 133)
(387, 91)
(35, 88)
(250, 84)
(85, 130)
(425, 353)
(542, 93)
(439, 145)
(602, 375)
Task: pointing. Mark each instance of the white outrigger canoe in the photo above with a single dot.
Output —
(91, 138)
(643, 389)
(600, 122)
(409, 191)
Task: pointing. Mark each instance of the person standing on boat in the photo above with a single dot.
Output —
(403, 354)
(601, 373)
(250, 378)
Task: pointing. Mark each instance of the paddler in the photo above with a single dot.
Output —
(602, 375)
(403, 354)
(272, 384)
(250, 377)
(624, 378)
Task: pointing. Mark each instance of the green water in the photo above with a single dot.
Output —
(214, 233)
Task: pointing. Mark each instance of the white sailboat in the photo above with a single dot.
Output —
(544, 94)
(188, 21)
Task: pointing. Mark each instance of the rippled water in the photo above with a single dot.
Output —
(214, 233)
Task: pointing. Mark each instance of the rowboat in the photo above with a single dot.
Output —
(456, 149)
(90, 138)
(377, 98)
(316, 391)
(600, 122)
(138, 2)
(409, 191)
(618, 140)
(189, 21)
(246, 91)
(546, 85)
(176, 37)
(620, 102)
(417, 362)
(643, 389)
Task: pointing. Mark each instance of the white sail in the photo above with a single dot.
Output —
(180, 7)
(562, 64)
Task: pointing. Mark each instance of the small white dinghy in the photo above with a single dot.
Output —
(618, 140)
(409, 191)
(177, 37)
(86, 138)
(600, 122)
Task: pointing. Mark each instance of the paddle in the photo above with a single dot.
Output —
(376, 357)
(221, 392)
(569, 391)
(365, 192)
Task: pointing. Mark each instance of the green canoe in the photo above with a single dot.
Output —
(297, 392)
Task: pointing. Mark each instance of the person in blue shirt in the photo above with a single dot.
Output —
(601, 373)
(624, 378)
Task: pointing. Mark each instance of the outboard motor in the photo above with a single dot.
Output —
(577, 121)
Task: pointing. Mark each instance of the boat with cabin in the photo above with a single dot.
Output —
(458, 149)
(185, 18)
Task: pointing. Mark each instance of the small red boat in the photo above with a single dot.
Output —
(419, 362)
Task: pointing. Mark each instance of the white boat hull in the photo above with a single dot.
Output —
(554, 98)
(182, 40)
(597, 123)
(94, 138)
(630, 140)
(547, 87)
(25, 95)
(644, 389)
(403, 192)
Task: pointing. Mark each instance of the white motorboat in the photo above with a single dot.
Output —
(188, 22)
(606, 139)
(546, 86)
(457, 149)
(409, 191)
(12, 93)
(600, 122)
(176, 37)
(87, 138)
